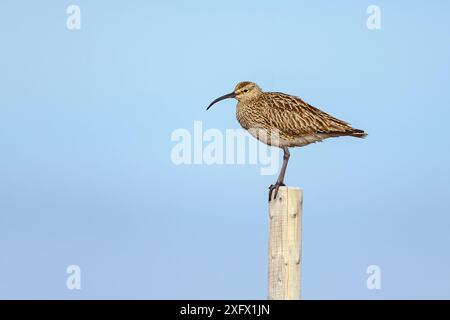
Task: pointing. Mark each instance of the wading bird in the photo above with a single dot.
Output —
(284, 121)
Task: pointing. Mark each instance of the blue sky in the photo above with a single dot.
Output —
(86, 176)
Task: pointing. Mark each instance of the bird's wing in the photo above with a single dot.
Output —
(295, 117)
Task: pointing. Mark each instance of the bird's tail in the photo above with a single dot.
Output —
(358, 133)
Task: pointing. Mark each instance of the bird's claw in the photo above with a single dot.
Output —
(275, 187)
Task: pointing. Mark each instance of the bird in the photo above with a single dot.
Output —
(284, 121)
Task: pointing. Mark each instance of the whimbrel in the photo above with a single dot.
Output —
(284, 121)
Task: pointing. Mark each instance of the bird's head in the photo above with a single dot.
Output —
(244, 91)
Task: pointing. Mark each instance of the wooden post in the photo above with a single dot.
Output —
(285, 242)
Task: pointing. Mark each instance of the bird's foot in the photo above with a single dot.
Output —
(275, 187)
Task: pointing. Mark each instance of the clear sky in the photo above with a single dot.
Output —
(86, 176)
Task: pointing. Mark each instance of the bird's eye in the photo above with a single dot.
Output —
(246, 90)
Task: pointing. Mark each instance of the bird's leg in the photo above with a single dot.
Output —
(280, 180)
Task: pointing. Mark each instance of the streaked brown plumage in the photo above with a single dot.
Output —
(284, 121)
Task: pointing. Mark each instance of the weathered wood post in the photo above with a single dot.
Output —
(285, 242)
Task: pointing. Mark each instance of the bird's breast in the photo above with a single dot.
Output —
(252, 118)
(249, 115)
(242, 116)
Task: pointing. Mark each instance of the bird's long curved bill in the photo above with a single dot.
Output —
(227, 96)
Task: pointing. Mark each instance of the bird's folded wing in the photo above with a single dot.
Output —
(292, 116)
